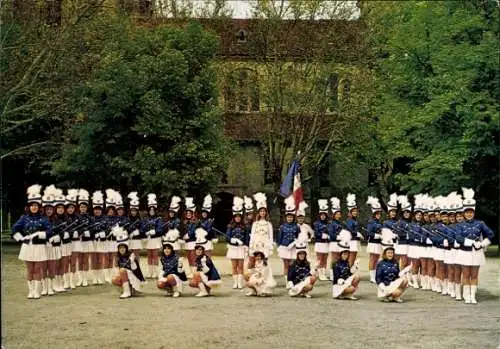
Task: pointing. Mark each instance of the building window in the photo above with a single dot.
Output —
(241, 36)
(242, 91)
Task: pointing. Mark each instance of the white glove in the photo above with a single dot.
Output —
(204, 260)
(456, 245)
(354, 268)
(239, 242)
(41, 234)
(102, 235)
(485, 243)
(378, 236)
(290, 246)
(133, 264)
(185, 237)
(86, 233)
(359, 235)
(477, 245)
(340, 281)
(325, 236)
(75, 235)
(215, 240)
(205, 268)
(233, 241)
(135, 232)
(445, 243)
(179, 266)
(18, 237)
(428, 241)
(468, 242)
(56, 239)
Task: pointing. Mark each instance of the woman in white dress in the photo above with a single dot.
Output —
(260, 278)
(261, 236)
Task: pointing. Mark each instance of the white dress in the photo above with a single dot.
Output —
(261, 238)
(261, 279)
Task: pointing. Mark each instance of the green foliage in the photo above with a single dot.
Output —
(438, 95)
(149, 114)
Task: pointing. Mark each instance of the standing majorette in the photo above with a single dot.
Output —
(173, 235)
(206, 277)
(441, 238)
(451, 257)
(97, 232)
(237, 236)
(61, 240)
(86, 243)
(401, 229)
(352, 224)
(334, 228)
(33, 230)
(415, 239)
(49, 268)
(391, 281)
(129, 276)
(172, 272)
(288, 233)
(474, 237)
(76, 237)
(392, 212)
(301, 277)
(134, 228)
(189, 232)
(261, 235)
(72, 224)
(344, 278)
(260, 278)
(122, 221)
(99, 259)
(374, 227)
(301, 220)
(249, 213)
(151, 228)
(321, 238)
(426, 257)
(206, 223)
(110, 241)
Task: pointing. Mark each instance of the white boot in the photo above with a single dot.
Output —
(240, 281)
(44, 287)
(37, 285)
(126, 290)
(235, 282)
(373, 274)
(438, 286)
(79, 279)
(444, 290)
(203, 290)
(458, 293)
(414, 277)
(467, 294)
(30, 289)
(72, 280)
(451, 289)
(50, 290)
(85, 282)
(473, 290)
(65, 281)
(150, 271)
(154, 275)
(176, 292)
(58, 284)
(107, 276)
(93, 274)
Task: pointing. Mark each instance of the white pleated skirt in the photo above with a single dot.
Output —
(414, 251)
(450, 256)
(135, 244)
(285, 253)
(76, 246)
(374, 248)
(189, 246)
(53, 253)
(354, 245)
(33, 253)
(401, 249)
(87, 246)
(426, 252)
(153, 244)
(235, 252)
(393, 286)
(471, 258)
(297, 289)
(439, 254)
(321, 247)
(337, 289)
(100, 246)
(66, 249)
(209, 246)
(333, 247)
(112, 246)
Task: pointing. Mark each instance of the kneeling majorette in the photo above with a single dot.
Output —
(206, 277)
(474, 237)
(321, 239)
(260, 278)
(237, 236)
(344, 278)
(173, 223)
(390, 280)
(287, 236)
(373, 228)
(172, 274)
(33, 230)
(129, 276)
(352, 225)
(301, 277)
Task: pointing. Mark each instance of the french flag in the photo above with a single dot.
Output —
(291, 184)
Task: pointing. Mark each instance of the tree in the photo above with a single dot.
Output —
(148, 116)
(438, 94)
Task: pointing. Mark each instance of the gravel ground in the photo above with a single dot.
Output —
(94, 317)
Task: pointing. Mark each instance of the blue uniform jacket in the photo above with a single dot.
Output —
(83, 225)
(415, 234)
(373, 228)
(126, 263)
(238, 231)
(29, 224)
(152, 223)
(390, 223)
(288, 233)
(447, 231)
(320, 228)
(135, 223)
(474, 230)
(353, 226)
(387, 271)
(298, 271)
(170, 265)
(212, 273)
(333, 229)
(58, 225)
(97, 224)
(207, 225)
(190, 230)
(401, 229)
(341, 270)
